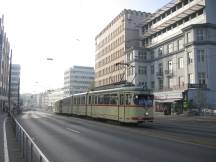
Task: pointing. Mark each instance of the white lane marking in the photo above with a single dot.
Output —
(6, 156)
(72, 130)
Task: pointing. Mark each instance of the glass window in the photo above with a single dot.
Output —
(152, 69)
(190, 57)
(202, 77)
(170, 48)
(200, 34)
(201, 55)
(180, 44)
(170, 66)
(121, 99)
(143, 100)
(142, 70)
(190, 78)
(176, 46)
(152, 84)
(160, 51)
(160, 84)
(189, 37)
(128, 99)
(180, 63)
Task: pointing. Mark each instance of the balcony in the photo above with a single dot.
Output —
(169, 73)
(159, 74)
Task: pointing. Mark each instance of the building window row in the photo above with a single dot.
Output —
(111, 36)
(109, 69)
(110, 47)
(112, 57)
(148, 41)
(111, 79)
(165, 14)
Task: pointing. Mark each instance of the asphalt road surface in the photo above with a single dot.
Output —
(71, 139)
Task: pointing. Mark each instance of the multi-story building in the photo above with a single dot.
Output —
(121, 33)
(55, 95)
(15, 84)
(176, 57)
(78, 79)
(4, 65)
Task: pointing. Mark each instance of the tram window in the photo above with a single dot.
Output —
(83, 100)
(121, 99)
(106, 99)
(78, 100)
(89, 100)
(74, 101)
(95, 99)
(113, 99)
(100, 99)
(128, 99)
(144, 100)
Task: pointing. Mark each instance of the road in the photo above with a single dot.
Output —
(70, 139)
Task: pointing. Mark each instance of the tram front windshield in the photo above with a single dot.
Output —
(143, 100)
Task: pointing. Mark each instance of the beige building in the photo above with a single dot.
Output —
(121, 33)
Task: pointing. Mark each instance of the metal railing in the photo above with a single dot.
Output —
(30, 151)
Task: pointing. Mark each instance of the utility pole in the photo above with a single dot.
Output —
(9, 90)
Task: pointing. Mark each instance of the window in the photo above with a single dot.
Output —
(152, 84)
(180, 44)
(170, 48)
(142, 70)
(180, 81)
(160, 51)
(190, 58)
(189, 37)
(160, 84)
(200, 34)
(160, 67)
(180, 63)
(201, 55)
(202, 78)
(142, 55)
(152, 69)
(190, 78)
(176, 46)
(170, 66)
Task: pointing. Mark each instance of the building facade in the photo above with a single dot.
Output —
(15, 84)
(4, 65)
(121, 33)
(55, 95)
(78, 79)
(176, 56)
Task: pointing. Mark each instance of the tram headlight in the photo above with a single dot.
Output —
(146, 113)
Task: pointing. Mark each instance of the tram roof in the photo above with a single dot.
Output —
(131, 88)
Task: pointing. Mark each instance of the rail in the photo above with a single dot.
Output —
(30, 150)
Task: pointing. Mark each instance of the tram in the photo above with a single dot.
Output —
(125, 104)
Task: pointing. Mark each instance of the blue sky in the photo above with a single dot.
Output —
(62, 29)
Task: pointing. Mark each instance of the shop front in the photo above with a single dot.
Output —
(168, 103)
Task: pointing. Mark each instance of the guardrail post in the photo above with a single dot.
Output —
(23, 144)
(40, 158)
(26, 150)
(31, 154)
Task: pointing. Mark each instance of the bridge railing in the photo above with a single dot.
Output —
(30, 150)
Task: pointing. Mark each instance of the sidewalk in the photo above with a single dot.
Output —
(14, 152)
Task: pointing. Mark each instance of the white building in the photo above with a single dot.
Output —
(78, 79)
(176, 57)
(15, 84)
(55, 95)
